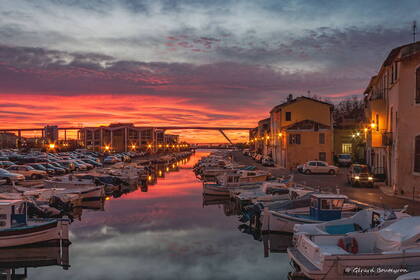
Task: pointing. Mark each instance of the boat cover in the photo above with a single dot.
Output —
(402, 234)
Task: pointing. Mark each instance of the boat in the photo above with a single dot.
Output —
(384, 254)
(247, 176)
(17, 230)
(84, 187)
(227, 183)
(323, 207)
(364, 220)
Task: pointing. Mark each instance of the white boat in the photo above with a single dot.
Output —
(17, 230)
(383, 254)
(255, 176)
(85, 187)
(364, 220)
(323, 207)
(415, 275)
(227, 183)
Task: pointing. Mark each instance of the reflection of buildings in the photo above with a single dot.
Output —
(122, 137)
(15, 261)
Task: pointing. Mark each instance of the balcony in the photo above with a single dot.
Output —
(387, 139)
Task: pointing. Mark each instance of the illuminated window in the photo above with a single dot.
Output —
(346, 148)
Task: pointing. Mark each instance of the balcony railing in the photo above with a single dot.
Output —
(387, 139)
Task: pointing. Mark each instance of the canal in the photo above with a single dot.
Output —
(165, 232)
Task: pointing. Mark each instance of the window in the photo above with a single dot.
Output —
(323, 156)
(417, 154)
(288, 116)
(321, 163)
(377, 122)
(294, 138)
(346, 148)
(312, 163)
(418, 86)
(322, 138)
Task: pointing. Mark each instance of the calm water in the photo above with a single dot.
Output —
(164, 233)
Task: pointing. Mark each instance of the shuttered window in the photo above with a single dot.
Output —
(417, 154)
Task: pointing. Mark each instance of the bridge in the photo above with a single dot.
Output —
(65, 129)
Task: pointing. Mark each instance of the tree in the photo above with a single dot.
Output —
(349, 109)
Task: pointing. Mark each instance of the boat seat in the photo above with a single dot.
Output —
(332, 250)
(341, 229)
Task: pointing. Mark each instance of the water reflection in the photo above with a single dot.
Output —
(165, 230)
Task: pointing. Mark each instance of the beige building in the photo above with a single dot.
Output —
(301, 130)
(393, 120)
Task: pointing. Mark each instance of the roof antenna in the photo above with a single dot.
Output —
(414, 31)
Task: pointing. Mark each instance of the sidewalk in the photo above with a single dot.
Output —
(389, 192)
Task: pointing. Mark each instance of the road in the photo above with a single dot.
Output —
(372, 196)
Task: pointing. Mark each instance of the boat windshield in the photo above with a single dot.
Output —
(331, 204)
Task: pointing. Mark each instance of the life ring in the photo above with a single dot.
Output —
(349, 244)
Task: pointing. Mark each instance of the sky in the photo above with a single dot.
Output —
(207, 63)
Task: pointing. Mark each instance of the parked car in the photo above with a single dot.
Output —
(88, 165)
(267, 161)
(79, 166)
(93, 162)
(39, 166)
(10, 176)
(27, 171)
(55, 170)
(56, 164)
(359, 175)
(315, 166)
(68, 164)
(111, 159)
(344, 160)
(6, 163)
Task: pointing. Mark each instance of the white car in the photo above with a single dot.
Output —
(315, 166)
(27, 171)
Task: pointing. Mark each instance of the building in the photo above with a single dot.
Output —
(350, 139)
(301, 130)
(51, 133)
(8, 140)
(392, 111)
(123, 137)
(260, 137)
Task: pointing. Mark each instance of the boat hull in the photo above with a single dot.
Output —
(54, 230)
(358, 266)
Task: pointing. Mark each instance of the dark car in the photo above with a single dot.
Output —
(56, 170)
(94, 163)
(56, 164)
(6, 163)
(359, 175)
(39, 166)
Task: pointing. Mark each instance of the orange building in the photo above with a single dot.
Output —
(301, 130)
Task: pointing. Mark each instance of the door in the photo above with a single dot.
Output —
(322, 167)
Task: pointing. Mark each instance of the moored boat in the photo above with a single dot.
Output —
(17, 230)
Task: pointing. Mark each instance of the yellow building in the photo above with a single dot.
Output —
(393, 120)
(301, 130)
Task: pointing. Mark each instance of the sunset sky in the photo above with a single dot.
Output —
(208, 63)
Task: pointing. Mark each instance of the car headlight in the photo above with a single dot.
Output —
(370, 178)
(357, 177)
